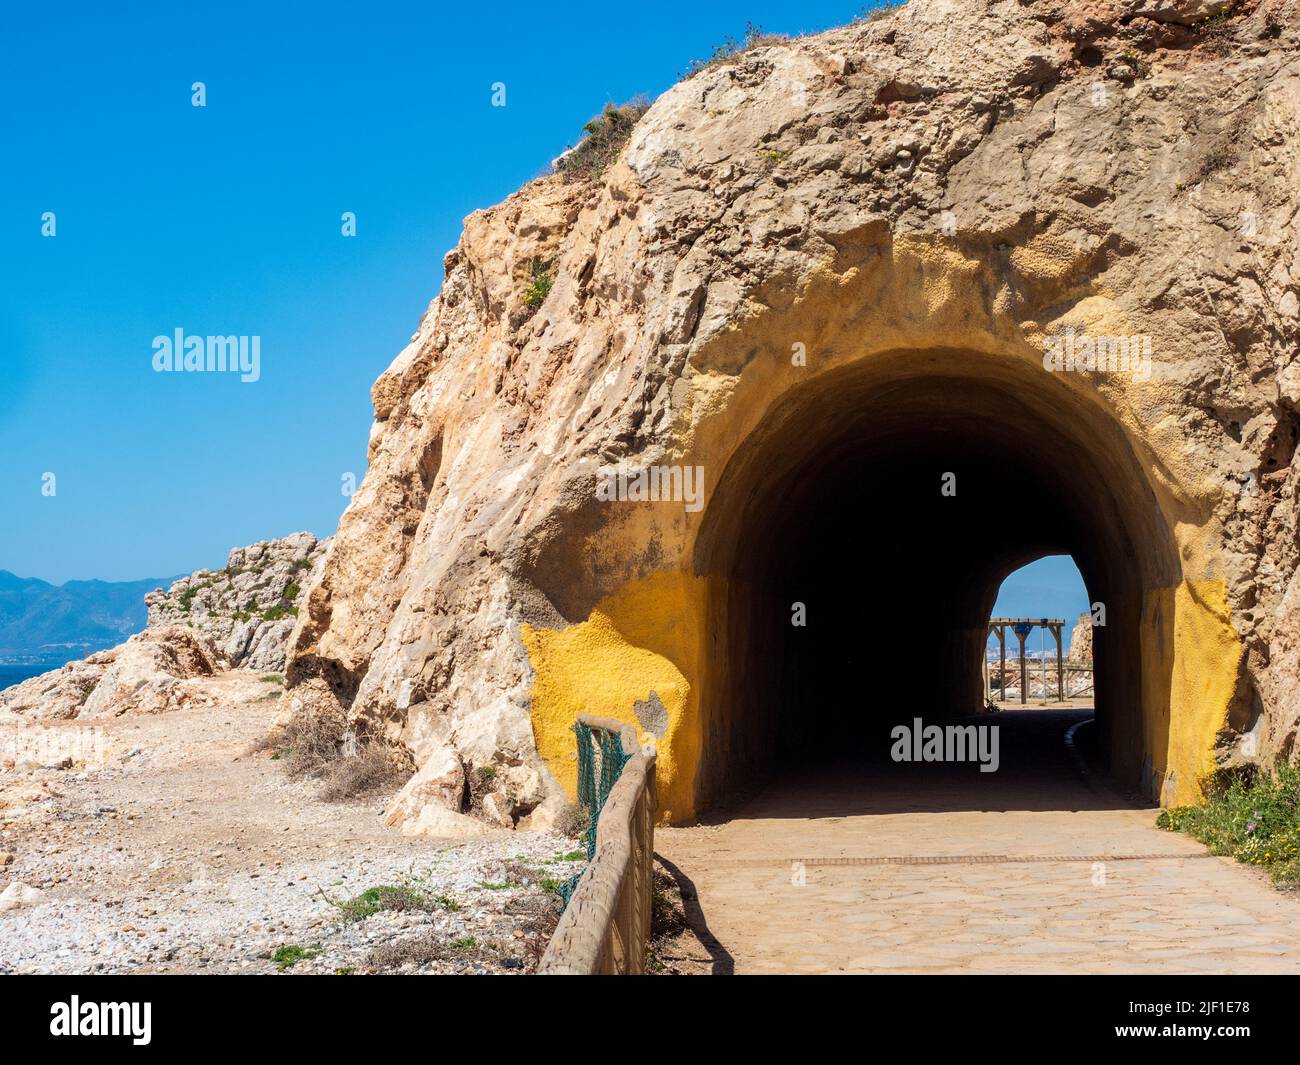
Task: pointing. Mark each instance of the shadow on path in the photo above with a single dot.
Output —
(723, 963)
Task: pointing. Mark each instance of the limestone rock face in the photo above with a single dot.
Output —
(249, 608)
(60, 693)
(1183, 12)
(1081, 639)
(951, 188)
(145, 675)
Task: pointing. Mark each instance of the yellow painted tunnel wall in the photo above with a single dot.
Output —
(652, 634)
(1191, 656)
(644, 638)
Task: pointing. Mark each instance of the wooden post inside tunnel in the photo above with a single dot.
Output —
(1002, 663)
(1023, 628)
(1060, 665)
(1024, 675)
(998, 630)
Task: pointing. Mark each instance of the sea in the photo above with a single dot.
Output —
(17, 672)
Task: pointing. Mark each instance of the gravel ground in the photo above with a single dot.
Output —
(183, 852)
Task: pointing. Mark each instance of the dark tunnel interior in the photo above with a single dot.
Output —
(892, 512)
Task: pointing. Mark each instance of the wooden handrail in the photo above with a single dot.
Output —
(622, 729)
(606, 927)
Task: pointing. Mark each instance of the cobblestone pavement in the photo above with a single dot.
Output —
(938, 868)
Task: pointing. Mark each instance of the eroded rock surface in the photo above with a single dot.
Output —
(960, 176)
(145, 675)
(1081, 639)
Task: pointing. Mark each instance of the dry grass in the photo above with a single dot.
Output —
(573, 820)
(321, 747)
(367, 772)
(604, 137)
(1219, 156)
(431, 948)
(311, 742)
(540, 911)
(732, 48)
(418, 950)
(883, 9)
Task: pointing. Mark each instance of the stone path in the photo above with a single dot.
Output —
(1080, 900)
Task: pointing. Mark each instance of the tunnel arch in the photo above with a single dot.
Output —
(836, 501)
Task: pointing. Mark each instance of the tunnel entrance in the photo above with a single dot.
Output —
(857, 542)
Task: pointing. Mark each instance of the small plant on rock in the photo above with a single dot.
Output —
(540, 285)
(1255, 821)
(881, 9)
(1216, 22)
(1217, 158)
(278, 612)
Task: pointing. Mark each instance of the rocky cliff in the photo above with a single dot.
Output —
(239, 617)
(145, 675)
(249, 608)
(948, 193)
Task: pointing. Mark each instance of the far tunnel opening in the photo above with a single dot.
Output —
(1047, 601)
(857, 542)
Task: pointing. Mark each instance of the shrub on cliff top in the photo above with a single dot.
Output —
(733, 47)
(881, 9)
(605, 136)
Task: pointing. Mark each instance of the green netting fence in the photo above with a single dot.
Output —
(601, 759)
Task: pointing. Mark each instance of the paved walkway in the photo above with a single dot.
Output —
(938, 868)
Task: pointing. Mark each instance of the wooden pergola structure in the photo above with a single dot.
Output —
(1021, 628)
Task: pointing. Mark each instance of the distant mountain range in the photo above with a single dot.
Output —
(42, 622)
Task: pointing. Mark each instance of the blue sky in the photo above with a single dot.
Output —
(226, 220)
(1051, 587)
